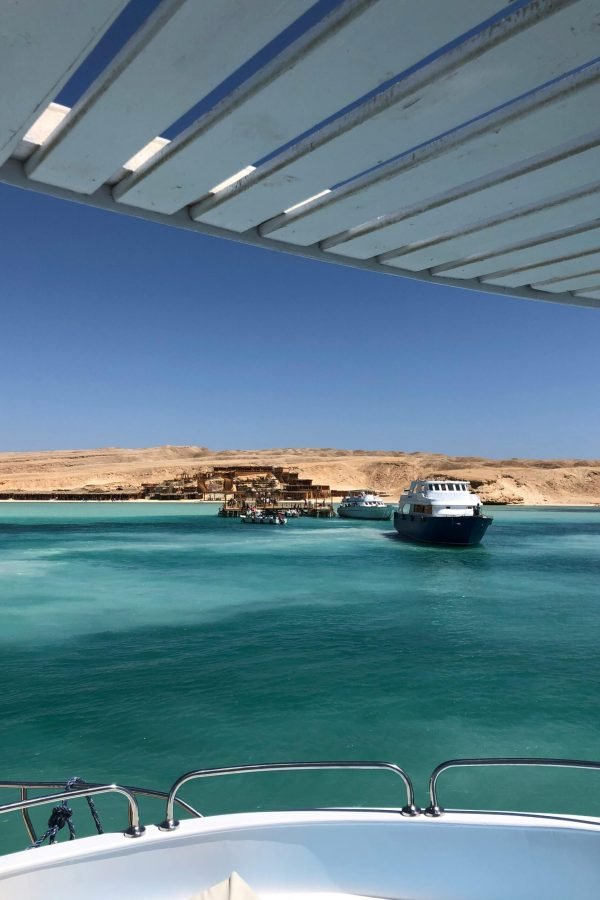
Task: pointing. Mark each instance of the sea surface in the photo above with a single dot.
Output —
(138, 641)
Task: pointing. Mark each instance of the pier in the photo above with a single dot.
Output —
(235, 510)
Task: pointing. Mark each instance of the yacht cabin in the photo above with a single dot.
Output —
(440, 498)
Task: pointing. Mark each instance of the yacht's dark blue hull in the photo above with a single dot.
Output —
(462, 530)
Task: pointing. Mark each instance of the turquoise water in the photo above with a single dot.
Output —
(139, 641)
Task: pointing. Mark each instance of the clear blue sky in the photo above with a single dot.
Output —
(121, 332)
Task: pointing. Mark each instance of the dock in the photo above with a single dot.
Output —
(234, 511)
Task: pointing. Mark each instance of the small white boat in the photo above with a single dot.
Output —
(364, 505)
(258, 517)
(274, 518)
(398, 851)
(251, 517)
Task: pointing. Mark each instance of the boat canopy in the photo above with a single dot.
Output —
(454, 144)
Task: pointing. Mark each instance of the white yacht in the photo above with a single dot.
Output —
(398, 852)
(364, 505)
(441, 512)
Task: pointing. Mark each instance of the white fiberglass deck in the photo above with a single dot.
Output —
(337, 854)
(450, 143)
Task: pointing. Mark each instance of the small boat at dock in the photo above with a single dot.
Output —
(262, 517)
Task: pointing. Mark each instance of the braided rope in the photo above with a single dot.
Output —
(61, 816)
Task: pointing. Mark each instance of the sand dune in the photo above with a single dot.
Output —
(528, 481)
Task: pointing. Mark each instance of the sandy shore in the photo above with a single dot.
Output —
(536, 482)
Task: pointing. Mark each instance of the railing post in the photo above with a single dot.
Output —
(26, 817)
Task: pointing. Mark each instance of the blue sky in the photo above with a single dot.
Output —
(122, 332)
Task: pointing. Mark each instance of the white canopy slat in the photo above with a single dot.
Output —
(527, 48)
(588, 279)
(561, 266)
(533, 182)
(41, 45)
(498, 142)
(526, 231)
(581, 239)
(323, 71)
(183, 51)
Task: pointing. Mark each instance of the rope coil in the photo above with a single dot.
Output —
(61, 815)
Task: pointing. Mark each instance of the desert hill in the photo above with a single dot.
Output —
(528, 481)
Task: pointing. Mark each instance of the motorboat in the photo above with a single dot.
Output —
(364, 505)
(251, 517)
(274, 517)
(264, 517)
(397, 851)
(439, 511)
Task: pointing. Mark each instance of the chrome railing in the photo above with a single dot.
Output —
(434, 809)
(409, 809)
(170, 823)
(136, 829)
(87, 789)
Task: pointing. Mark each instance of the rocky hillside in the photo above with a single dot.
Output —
(528, 481)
